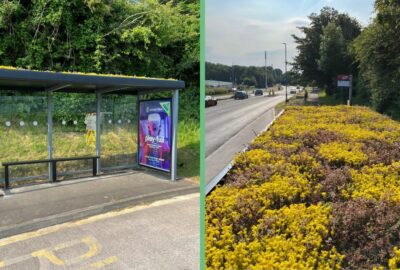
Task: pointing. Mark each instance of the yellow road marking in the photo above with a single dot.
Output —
(93, 247)
(49, 255)
(105, 262)
(56, 228)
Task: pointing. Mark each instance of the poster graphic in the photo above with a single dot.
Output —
(155, 134)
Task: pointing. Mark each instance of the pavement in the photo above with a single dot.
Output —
(160, 235)
(32, 207)
(224, 97)
(232, 125)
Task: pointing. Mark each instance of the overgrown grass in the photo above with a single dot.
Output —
(119, 147)
(324, 99)
(189, 149)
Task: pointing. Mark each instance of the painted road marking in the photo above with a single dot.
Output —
(47, 255)
(94, 247)
(72, 224)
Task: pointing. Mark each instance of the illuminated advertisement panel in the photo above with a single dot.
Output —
(155, 127)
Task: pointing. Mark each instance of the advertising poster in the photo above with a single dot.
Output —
(155, 134)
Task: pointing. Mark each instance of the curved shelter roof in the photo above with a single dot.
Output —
(31, 81)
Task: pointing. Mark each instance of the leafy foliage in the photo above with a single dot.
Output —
(333, 60)
(378, 55)
(319, 40)
(146, 38)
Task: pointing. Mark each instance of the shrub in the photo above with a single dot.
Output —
(319, 190)
(366, 232)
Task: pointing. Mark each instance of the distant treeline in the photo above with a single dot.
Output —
(247, 75)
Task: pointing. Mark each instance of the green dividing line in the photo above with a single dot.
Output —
(202, 134)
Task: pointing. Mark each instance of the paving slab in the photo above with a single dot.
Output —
(161, 235)
(29, 208)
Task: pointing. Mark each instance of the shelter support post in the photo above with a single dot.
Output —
(98, 131)
(50, 131)
(137, 130)
(174, 148)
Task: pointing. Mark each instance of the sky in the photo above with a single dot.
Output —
(239, 31)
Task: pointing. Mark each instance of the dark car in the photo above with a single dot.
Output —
(240, 95)
(259, 92)
(211, 101)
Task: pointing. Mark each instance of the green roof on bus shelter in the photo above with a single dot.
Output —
(30, 81)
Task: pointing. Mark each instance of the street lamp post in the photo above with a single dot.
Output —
(286, 69)
(266, 76)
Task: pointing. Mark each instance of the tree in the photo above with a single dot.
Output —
(306, 62)
(220, 72)
(249, 81)
(333, 57)
(145, 38)
(377, 53)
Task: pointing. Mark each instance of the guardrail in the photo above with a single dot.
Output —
(53, 162)
(211, 185)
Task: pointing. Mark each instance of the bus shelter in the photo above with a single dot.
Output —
(53, 122)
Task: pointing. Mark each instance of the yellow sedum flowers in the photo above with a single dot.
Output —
(279, 206)
(343, 153)
(377, 182)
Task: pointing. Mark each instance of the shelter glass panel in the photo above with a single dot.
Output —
(118, 131)
(74, 132)
(23, 135)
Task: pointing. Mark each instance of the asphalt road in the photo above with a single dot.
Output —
(162, 235)
(232, 124)
(230, 116)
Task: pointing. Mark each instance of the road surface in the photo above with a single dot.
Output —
(162, 235)
(233, 124)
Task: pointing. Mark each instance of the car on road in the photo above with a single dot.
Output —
(211, 101)
(293, 91)
(241, 95)
(259, 92)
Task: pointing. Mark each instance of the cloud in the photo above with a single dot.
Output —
(239, 31)
(243, 41)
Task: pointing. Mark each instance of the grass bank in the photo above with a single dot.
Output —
(119, 147)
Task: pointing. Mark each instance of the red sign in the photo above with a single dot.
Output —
(343, 77)
(343, 80)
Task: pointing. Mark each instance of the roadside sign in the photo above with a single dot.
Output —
(346, 81)
(343, 80)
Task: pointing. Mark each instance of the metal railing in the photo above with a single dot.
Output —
(53, 165)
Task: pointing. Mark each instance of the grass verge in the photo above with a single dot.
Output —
(119, 147)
